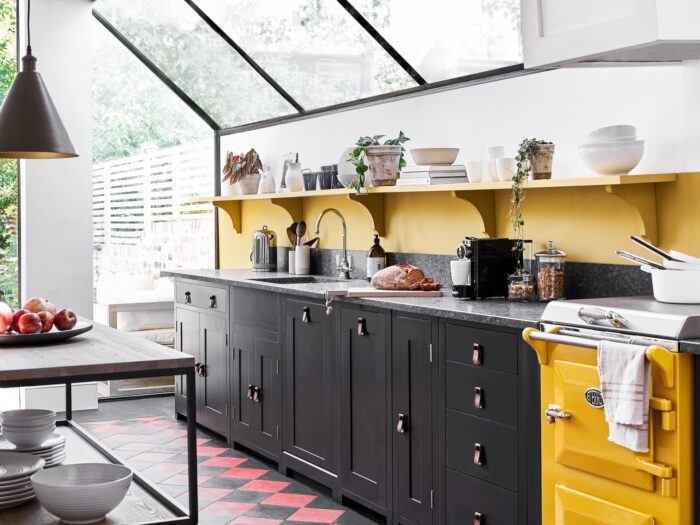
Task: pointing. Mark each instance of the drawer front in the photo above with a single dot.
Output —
(481, 348)
(483, 393)
(212, 298)
(470, 501)
(255, 307)
(483, 449)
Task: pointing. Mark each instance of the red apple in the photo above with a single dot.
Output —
(5, 318)
(15, 318)
(46, 321)
(30, 324)
(35, 305)
(65, 320)
(51, 308)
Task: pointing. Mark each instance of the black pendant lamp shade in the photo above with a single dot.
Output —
(30, 127)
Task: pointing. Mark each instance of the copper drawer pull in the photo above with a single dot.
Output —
(306, 315)
(188, 297)
(256, 394)
(477, 518)
(250, 392)
(361, 326)
(401, 424)
(212, 301)
(478, 397)
(476, 354)
(478, 454)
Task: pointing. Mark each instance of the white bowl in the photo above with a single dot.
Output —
(612, 133)
(82, 493)
(675, 286)
(612, 158)
(27, 439)
(30, 416)
(30, 428)
(434, 156)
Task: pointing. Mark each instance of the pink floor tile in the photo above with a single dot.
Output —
(289, 500)
(183, 441)
(182, 480)
(212, 494)
(152, 456)
(145, 419)
(261, 485)
(210, 451)
(223, 462)
(316, 515)
(228, 508)
(249, 520)
(243, 473)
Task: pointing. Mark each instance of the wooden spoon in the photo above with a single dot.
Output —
(291, 236)
(301, 231)
(294, 231)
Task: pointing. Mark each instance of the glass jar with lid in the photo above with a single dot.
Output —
(550, 273)
(521, 284)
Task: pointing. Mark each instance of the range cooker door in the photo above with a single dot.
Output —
(581, 440)
(577, 508)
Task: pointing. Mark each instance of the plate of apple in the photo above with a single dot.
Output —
(38, 322)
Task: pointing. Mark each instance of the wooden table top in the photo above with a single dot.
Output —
(102, 350)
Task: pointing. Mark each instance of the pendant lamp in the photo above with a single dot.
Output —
(30, 127)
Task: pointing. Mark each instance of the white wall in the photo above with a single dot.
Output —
(561, 106)
(56, 195)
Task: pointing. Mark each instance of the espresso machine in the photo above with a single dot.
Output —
(482, 268)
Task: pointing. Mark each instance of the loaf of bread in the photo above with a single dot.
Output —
(398, 277)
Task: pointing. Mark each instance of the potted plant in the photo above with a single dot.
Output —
(384, 160)
(243, 171)
(535, 158)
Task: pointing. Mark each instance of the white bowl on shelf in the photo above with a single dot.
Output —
(621, 132)
(434, 156)
(612, 158)
(28, 438)
(82, 493)
(27, 418)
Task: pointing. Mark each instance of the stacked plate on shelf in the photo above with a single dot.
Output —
(32, 431)
(612, 150)
(16, 469)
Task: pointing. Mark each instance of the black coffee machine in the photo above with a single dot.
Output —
(488, 262)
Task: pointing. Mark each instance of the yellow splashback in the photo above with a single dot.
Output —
(588, 223)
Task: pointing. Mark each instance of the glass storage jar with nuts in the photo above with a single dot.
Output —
(550, 273)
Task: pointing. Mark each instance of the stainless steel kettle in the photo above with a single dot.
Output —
(264, 254)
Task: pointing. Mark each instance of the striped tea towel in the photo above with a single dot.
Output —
(625, 376)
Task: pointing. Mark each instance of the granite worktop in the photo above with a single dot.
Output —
(498, 312)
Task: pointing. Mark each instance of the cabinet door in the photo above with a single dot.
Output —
(243, 379)
(212, 394)
(186, 340)
(269, 403)
(412, 383)
(365, 399)
(308, 364)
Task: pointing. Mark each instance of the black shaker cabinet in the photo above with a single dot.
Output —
(414, 383)
(309, 388)
(365, 363)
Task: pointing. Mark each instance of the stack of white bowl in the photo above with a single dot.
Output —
(16, 469)
(32, 431)
(612, 150)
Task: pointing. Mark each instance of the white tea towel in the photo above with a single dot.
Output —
(625, 376)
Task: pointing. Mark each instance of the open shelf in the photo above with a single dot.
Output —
(635, 190)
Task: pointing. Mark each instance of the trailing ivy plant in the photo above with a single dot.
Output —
(357, 156)
(526, 153)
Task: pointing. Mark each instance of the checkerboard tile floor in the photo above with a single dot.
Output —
(234, 488)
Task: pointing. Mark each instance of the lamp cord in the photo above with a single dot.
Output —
(29, 30)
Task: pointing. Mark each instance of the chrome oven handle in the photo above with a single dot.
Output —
(591, 315)
(554, 412)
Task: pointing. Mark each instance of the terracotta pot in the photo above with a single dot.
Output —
(542, 162)
(383, 162)
(249, 185)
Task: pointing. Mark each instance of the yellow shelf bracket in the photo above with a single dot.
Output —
(233, 210)
(642, 198)
(293, 206)
(484, 203)
(374, 204)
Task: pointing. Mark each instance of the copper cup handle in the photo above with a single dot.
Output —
(478, 454)
(477, 350)
(478, 397)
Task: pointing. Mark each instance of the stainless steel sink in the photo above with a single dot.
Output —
(301, 279)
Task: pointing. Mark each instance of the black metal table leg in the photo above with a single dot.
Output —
(192, 447)
(69, 401)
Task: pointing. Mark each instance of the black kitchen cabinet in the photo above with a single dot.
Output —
(256, 389)
(186, 340)
(309, 389)
(365, 354)
(414, 382)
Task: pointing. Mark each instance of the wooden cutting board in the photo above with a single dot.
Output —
(373, 292)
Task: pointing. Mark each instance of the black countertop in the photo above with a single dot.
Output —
(498, 312)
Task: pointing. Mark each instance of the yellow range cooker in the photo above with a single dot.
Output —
(586, 479)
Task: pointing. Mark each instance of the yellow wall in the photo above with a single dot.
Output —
(586, 222)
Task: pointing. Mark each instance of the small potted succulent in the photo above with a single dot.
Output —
(534, 159)
(241, 171)
(384, 160)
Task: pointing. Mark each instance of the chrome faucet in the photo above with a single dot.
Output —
(343, 266)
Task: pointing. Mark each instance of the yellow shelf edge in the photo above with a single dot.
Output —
(604, 180)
